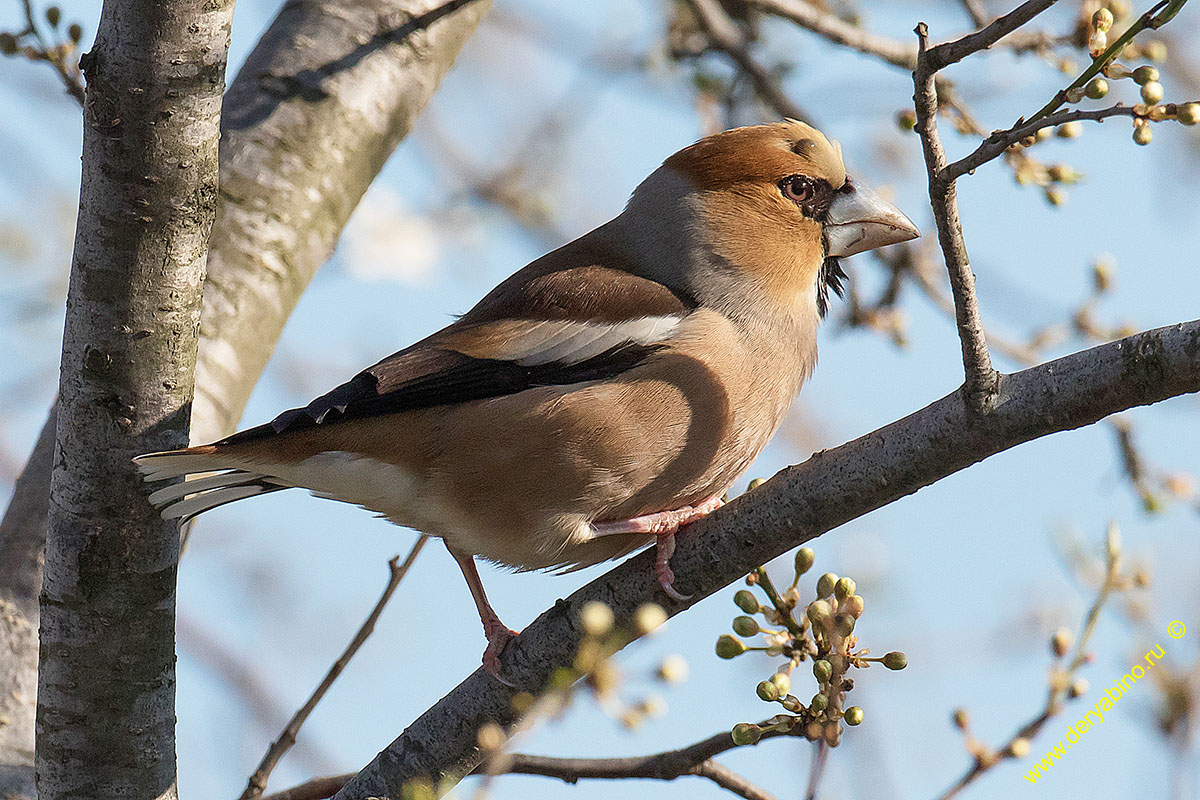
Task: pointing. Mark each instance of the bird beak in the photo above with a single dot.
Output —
(861, 220)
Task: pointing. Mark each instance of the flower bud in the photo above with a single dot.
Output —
(1152, 92)
(729, 646)
(767, 691)
(822, 670)
(75, 32)
(490, 737)
(854, 605)
(1060, 642)
(819, 703)
(804, 560)
(673, 669)
(782, 682)
(1097, 43)
(1020, 747)
(843, 588)
(648, 617)
(596, 618)
(1155, 50)
(792, 704)
(746, 601)
(853, 715)
(1075, 94)
(8, 44)
(1069, 130)
(843, 624)
(1096, 88)
(1102, 20)
(1142, 134)
(961, 719)
(895, 660)
(745, 626)
(755, 483)
(745, 733)
(906, 119)
(1078, 689)
(819, 611)
(53, 16)
(825, 584)
(1145, 74)
(1055, 196)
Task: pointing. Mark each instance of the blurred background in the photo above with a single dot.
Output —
(551, 116)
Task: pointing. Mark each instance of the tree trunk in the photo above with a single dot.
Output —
(106, 683)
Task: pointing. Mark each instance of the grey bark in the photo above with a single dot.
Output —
(151, 124)
(798, 504)
(327, 94)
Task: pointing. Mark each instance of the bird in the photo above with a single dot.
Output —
(599, 399)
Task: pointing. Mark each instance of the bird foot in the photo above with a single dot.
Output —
(664, 525)
(498, 636)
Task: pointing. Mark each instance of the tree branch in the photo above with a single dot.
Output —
(980, 380)
(798, 504)
(396, 572)
(106, 672)
(949, 53)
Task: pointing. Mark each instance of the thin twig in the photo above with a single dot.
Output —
(976, 12)
(725, 36)
(731, 781)
(1151, 20)
(396, 572)
(1060, 684)
(952, 52)
(56, 56)
(664, 766)
(981, 380)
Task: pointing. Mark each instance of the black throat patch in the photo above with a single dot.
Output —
(830, 277)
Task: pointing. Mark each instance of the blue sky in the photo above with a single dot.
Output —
(964, 576)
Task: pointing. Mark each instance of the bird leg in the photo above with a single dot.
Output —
(664, 525)
(498, 634)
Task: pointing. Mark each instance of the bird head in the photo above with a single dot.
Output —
(771, 203)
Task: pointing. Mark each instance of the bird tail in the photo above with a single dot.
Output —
(208, 482)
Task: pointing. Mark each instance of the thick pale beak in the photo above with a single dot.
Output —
(861, 220)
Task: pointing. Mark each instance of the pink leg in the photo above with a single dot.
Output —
(498, 634)
(664, 525)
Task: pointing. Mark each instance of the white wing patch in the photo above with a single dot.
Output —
(569, 342)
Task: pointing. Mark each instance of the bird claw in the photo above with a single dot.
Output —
(662, 567)
(498, 638)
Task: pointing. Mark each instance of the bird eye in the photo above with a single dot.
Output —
(799, 189)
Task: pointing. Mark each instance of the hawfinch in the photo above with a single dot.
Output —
(600, 398)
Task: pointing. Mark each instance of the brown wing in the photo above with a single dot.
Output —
(545, 328)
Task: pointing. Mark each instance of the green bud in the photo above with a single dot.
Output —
(1102, 20)
(745, 733)
(1152, 92)
(895, 660)
(746, 601)
(792, 703)
(819, 703)
(906, 119)
(767, 691)
(825, 584)
(53, 16)
(75, 32)
(1055, 196)
(1155, 51)
(961, 719)
(819, 611)
(1078, 689)
(1060, 642)
(822, 670)
(754, 484)
(729, 646)
(843, 624)
(1189, 113)
(1096, 88)
(1142, 135)
(804, 560)
(854, 605)
(8, 44)
(1145, 74)
(853, 715)
(745, 626)
(843, 588)
(782, 682)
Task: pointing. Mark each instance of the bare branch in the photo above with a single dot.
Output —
(727, 779)
(952, 52)
(980, 378)
(812, 18)
(725, 36)
(396, 572)
(796, 505)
